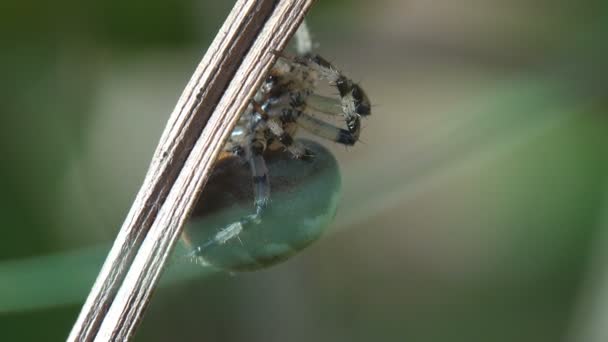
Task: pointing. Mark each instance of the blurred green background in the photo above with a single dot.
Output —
(475, 208)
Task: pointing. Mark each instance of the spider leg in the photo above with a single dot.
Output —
(275, 127)
(353, 98)
(324, 105)
(254, 149)
(294, 147)
(259, 174)
(328, 131)
(353, 102)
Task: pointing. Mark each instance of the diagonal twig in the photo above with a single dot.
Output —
(227, 77)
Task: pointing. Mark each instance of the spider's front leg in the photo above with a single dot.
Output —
(352, 104)
(353, 98)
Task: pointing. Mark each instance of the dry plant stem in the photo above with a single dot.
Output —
(232, 69)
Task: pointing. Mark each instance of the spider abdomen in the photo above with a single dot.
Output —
(304, 201)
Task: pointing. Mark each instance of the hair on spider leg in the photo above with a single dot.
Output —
(377, 105)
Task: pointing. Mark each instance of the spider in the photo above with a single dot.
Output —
(286, 102)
